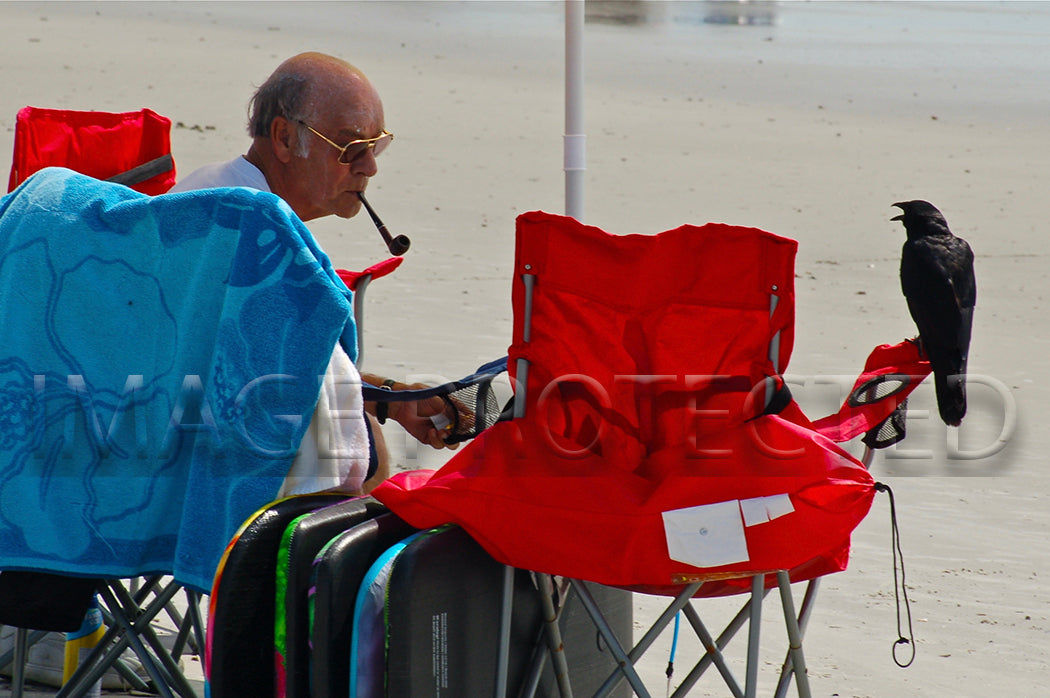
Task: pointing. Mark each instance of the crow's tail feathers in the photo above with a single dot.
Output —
(951, 397)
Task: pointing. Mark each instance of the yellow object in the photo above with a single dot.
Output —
(82, 642)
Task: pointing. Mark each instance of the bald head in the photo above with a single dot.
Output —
(306, 85)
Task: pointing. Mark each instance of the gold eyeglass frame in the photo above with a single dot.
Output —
(370, 143)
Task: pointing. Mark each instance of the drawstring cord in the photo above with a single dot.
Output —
(900, 590)
(674, 650)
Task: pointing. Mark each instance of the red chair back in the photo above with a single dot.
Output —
(103, 145)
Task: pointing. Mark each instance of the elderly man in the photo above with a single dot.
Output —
(317, 128)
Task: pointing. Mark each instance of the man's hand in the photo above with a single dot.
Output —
(415, 417)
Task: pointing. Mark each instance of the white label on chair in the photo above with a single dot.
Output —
(709, 535)
(762, 509)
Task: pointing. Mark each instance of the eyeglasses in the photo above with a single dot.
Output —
(355, 149)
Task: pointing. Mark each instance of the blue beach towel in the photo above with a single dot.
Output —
(160, 360)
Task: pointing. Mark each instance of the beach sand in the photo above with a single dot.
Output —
(805, 119)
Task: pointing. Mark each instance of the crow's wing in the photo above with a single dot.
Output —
(938, 281)
(963, 279)
(964, 282)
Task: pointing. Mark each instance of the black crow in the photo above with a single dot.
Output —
(939, 284)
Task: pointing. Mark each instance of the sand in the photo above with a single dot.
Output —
(805, 119)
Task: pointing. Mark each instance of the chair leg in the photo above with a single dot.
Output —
(554, 640)
(754, 635)
(7, 657)
(808, 602)
(537, 662)
(193, 612)
(505, 617)
(21, 655)
(798, 660)
(189, 634)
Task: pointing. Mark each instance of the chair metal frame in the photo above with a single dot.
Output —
(131, 613)
(128, 612)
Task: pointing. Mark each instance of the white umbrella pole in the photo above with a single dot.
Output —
(575, 139)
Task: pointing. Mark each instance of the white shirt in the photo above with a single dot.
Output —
(235, 173)
(334, 450)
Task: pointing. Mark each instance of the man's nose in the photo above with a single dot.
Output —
(365, 163)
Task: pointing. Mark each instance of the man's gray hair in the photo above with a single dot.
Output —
(282, 95)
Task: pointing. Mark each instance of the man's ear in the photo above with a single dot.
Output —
(283, 138)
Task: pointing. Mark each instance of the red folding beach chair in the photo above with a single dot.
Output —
(655, 446)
